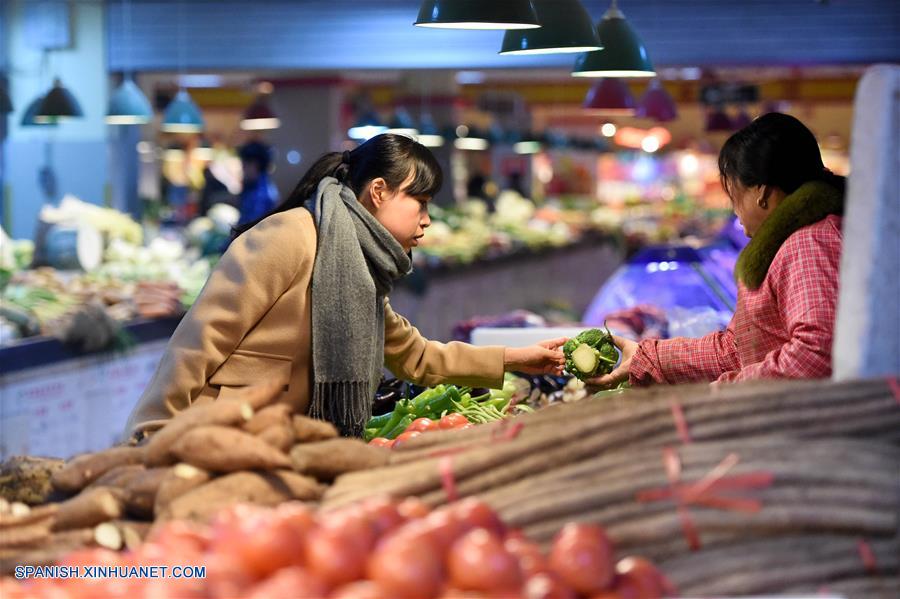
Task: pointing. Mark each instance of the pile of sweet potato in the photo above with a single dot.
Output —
(243, 449)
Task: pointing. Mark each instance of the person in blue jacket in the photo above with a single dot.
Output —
(259, 195)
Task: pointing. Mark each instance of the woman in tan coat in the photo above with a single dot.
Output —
(301, 298)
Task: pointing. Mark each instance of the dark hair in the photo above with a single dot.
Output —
(776, 150)
(256, 152)
(393, 157)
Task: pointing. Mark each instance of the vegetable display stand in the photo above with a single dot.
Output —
(57, 402)
(448, 294)
(758, 488)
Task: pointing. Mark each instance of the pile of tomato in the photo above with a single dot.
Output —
(374, 550)
(424, 425)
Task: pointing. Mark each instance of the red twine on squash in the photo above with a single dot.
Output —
(681, 424)
(867, 556)
(506, 430)
(448, 479)
(894, 385)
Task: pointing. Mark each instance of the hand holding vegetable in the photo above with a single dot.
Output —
(620, 373)
(542, 358)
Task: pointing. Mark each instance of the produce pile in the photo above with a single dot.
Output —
(375, 550)
(441, 408)
(689, 476)
(242, 448)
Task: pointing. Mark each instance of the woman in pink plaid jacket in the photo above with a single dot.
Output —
(790, 206)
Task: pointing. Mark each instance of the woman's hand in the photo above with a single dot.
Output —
(628, 347)
(542, 358)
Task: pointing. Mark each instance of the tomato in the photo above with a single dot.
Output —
(362, 589)
(334, 556)
(405, 436)
(547, 586)
(381, 442)
(296, 516)
(289, 582)
(405, 566)
(465, 426)
(413, 507)
(638, 578)
(443, 526)
(531, 561)
(383, 514)
(583, 556)
(422, 425)
(477, 561)
(452, 420)
(475, 513)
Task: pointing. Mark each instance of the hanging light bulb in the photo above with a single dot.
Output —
(182, 115)
(565, 27)
(623, 54)
(128, 105)
(58, 105)
(477, 14)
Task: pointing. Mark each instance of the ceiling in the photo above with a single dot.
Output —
(378, 34)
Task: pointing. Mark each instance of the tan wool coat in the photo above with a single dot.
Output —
(251, 324)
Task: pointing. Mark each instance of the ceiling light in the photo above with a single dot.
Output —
(565, 27)
(623, 54)
(477, 14)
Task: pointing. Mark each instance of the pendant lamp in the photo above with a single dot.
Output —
(59, 104)
(610, 96)
(260, 116)
(128, 105)
(528, 143)
(182, 115)
(5, 102)
(741, 120)
(623, 54)
(28, 118)
(470, 138)
(402, 124)
(657, 104)
(429, 134)
(477, 14)
(717, 120)
(566, 27)
(368, 126)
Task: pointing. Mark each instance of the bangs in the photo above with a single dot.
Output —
(427, 177)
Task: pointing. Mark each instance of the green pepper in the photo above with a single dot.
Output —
(377, 422)
(401, 426)
(401, 409)
(370, 433)
(422, 399)
(437, 404)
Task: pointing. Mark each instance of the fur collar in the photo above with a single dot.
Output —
(810, 203)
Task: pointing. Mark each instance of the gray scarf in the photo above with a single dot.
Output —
(357, 262)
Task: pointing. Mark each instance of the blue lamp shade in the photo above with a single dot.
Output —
(5, 102)
(260, 116)
(182, 115)
(368, 126)
(477, 14)
(28, 118)
(429, 134)
(128, 105)
(402, 124)
(565, 27)
(623, 54)
(610, 97)
(58, 105)
(657, 104)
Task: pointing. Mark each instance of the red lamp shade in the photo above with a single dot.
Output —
(610, 96)
(718, 120)
(657, 104)
(260, 115)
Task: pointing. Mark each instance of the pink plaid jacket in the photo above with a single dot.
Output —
(783, 329)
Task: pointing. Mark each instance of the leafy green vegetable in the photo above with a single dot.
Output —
(591, 353)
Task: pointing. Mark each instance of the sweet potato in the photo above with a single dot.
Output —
(309, 429)
(279, 436)
(327, 459)
(88, 509)
(133, 532)
(223, 412)
(248, 487)
(224, 449)
(279, 413)
(108, 535)
(26, 535)
(302, 488)
(119, 477)
(180, 479)
(84, 469)
(141, 492)
(38, 514)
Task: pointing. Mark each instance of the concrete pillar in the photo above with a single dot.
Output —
(74, 154)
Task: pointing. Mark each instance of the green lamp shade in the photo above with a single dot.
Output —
(128, 105)
(28, 118)
(182, 115)
(477, 14)
(565, 27)
(5, 103)
(623, 54)
(59, 104)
